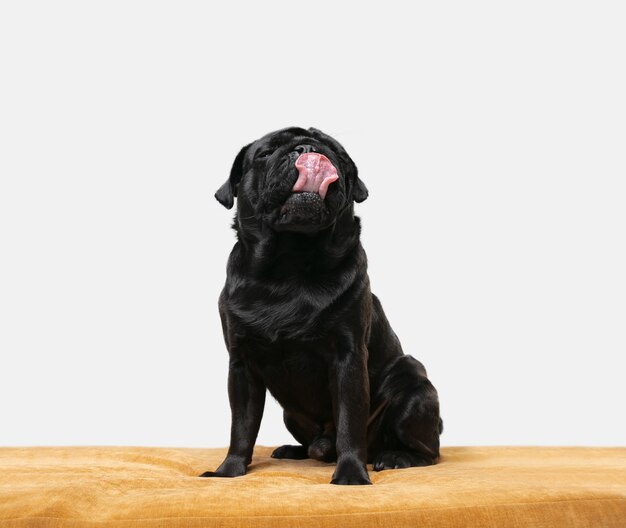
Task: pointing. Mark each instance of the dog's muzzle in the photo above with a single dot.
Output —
(315, 174)
(304, 209)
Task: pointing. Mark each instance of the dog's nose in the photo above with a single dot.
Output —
(303, 149)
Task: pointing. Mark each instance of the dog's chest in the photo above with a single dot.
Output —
(296, 374)
(296, 312)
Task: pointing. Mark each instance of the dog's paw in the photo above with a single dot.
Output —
(349, 473)
(231, 467)
(293, 452)
(220, 474)
(322, 448)
(399, 460)
(351, 481)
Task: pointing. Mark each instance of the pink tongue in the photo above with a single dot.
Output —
(315, 174)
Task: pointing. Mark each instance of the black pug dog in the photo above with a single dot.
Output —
(299, 318)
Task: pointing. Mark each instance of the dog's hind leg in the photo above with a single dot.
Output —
(411, 424)
(293, 452)
(304, 430)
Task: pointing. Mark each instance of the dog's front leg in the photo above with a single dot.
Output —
(246, 393)
(349, 387)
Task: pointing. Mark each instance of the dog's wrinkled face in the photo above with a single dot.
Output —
(292, 180)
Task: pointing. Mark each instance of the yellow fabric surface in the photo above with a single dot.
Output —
(133, 487)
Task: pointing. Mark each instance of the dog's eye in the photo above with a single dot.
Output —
(264, 154)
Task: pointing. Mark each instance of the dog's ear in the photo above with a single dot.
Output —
(226, 193)
(359, 191)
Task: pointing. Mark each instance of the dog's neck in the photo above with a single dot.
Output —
(288, 254)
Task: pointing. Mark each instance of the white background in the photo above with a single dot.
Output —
(491, 136)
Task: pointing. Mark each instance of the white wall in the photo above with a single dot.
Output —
(491, 137)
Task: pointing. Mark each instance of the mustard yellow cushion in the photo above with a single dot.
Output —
(132, 487)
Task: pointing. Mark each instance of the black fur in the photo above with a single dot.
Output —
(299, 320)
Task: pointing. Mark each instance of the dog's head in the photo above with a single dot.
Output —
(292, 180)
